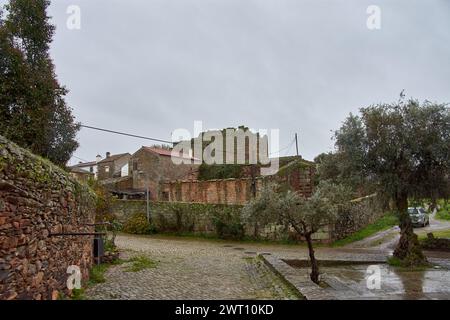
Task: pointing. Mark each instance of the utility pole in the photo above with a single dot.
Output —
(148, 200)
(147, 193)
(296, 143)
(252, 174)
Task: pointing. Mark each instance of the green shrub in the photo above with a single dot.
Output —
(228, 229)
(444, 211)
(138, 224)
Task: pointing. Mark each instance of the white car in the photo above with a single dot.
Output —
(419, 217)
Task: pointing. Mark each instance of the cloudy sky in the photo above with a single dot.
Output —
(151, 66)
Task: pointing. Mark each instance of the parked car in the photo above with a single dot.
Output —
(419, 216)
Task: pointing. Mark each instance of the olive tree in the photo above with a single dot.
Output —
(403, 149)
(304, 215)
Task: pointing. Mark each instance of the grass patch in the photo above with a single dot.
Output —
(387, 221)
(443, 214)
(139, 263)
(78, 294)
(401, 266)
(97, 273)
(442, 234)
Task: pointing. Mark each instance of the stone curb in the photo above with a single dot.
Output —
(300, 283)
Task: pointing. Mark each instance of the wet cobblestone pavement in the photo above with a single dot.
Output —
(203, 269)
(350, 283)
(190, 269)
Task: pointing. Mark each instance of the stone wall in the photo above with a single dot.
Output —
(220, 220)
(297, 176)
(363, 212)
(204, 218)
(38, 199)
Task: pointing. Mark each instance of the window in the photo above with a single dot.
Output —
(135, 165)
(91, 169)
(106, 169)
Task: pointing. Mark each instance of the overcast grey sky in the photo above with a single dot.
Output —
(151, 66)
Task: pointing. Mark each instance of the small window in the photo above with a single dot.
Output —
(91, 169)
(106, 168)
(135, 166)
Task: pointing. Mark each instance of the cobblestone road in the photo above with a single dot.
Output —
(190, 269)
(203, 269)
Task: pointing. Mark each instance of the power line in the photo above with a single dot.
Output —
(288, 146)
(160, 140)
(80, 158)
(126, 134)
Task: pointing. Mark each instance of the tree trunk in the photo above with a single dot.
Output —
(314, 266)
(408, 248)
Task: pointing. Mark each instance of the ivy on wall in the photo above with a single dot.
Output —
(220, 171)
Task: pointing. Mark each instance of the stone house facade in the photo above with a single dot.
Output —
(81, 175)
(83, 169)
(239, 146)
(151, 165)
(112, 166)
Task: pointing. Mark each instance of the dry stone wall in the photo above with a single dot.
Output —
(37, 200)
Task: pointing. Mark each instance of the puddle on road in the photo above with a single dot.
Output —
(350, 281)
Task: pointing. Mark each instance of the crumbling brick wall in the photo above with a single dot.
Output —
(38, 199)
(236, 191)
(227, 191)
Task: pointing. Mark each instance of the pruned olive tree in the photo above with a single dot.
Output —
(304, 215)
(403, 149)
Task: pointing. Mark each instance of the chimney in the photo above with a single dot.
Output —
(108, 154)
(98, 158)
